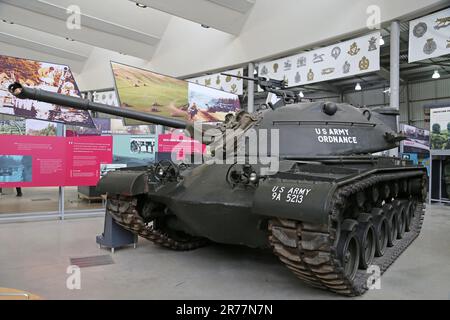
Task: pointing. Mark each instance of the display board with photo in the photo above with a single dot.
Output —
(146, 91)
(440, 130)
(418, 140)
(13, 127)
(47, 76)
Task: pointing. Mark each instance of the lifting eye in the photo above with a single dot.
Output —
(367, 114)
(329, 108)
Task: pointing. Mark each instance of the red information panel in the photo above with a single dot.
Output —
(179, 144)
(33, 161)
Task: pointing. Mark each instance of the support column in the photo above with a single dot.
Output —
(395, 73)
(251, 88)
(61, 132)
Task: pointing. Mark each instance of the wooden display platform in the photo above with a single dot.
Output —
(14, 294)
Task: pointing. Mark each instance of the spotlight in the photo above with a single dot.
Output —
(140, 5)
(358, 87)
(436, 75)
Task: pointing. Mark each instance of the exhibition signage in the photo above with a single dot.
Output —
(179, 145)
(429, 36)
(221, 82)
(440, 130)
(344, 59)
(134, 150)
(418, 140)
(146, 91)
(47, 76)
(32, 161)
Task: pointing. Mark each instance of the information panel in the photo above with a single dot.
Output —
(33, 161)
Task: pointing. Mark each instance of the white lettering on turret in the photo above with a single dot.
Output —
(334, 135)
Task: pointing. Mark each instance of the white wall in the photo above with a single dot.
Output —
(273, 28)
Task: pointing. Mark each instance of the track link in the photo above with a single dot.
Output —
(310, 250)
(124, 211)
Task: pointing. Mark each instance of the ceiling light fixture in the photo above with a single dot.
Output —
(381, 40)
(69, 39)
(6, 21)
(301, 95)
(358, 87)
(140, 5)
(205, 26)
(436, 75)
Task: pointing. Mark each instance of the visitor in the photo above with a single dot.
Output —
(18, 191)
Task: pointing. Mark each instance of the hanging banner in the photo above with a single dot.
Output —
(429, 36)
(30, 161)
(344, 59)
(47, 76)
(150, 92)
(440, 130)
(221, 82)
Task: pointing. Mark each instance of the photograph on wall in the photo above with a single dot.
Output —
(102, 127)
(118, 127)
(12, 127)
(47, 76)
(40, 128)
(16, 168)
(418, 140)
(146, 91)
(440, 129)
(429, 36)
(210, 105)
(134, 150)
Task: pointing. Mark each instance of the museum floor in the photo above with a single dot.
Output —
(37, 254)
(43, 200)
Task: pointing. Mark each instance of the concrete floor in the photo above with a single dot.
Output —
(34, 257)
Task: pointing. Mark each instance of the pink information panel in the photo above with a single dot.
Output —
(33, 161)
(179, 144)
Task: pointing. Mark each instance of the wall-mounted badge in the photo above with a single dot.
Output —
(218, 80)
(327, 71)
(310, 75)
(239, 75)
(364, 63)
(442, 23)
(287, 65)
(420, 29)
(373, 44)
(275, 67)
(228, 79)
(233, 88)
(286, 80)
(430, 46)
(318, 57)
(301, 62)
(354, 50)
(207, 82)
(298, 78)
(264, 71)
(346, 67)
(336, 52)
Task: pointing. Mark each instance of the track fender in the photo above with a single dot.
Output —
(127, 183)
(305, 201)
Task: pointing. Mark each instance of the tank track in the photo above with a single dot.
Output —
(310, 251)
(124, 211)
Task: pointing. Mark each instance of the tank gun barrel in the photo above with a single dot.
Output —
(22, 92)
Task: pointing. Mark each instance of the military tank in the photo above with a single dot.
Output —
(333, 213)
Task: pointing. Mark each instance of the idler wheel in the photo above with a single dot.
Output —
(348, 248)
(381, 226)
(365, 233)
